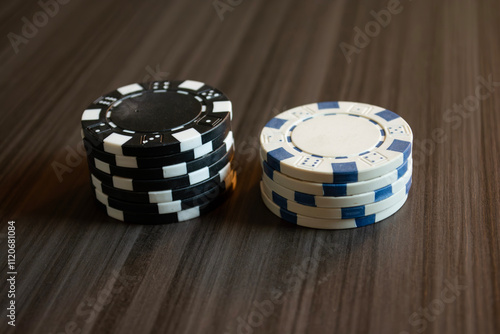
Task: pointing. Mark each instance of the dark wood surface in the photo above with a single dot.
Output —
(434, 267)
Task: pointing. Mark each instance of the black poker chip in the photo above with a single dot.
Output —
(157, 118)
(215, 183)
(163, 160)
(163, 184)
(164, 207)
(174, 217)
(165, 172)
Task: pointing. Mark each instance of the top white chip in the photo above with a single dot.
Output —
(336, 142)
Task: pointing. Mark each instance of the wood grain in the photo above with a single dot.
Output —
(80, 270)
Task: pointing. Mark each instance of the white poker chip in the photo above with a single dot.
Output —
(336, 213)
(331, 224)
(336, 142)
(336, 189)
(340, 201)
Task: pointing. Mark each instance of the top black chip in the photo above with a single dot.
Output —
(157, 118)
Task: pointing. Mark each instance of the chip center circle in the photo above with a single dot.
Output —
(336, 135)
(155, 111)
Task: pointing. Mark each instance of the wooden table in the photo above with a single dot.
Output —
(434, 267)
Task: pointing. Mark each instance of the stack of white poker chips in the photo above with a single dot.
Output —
(336, 165)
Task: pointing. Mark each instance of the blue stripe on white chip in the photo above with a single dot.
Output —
(320, 223)
(332, 201)
(335, 212)
(323, 142)
(336, 189)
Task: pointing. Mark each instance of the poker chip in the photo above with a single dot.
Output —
(165, 172)
(164, 160)
(216, 184)
(337, 213)
(336, 165)
(174, 217)
(157, 118)
(160, 152)
(336, 189)
(339, 201)
(336, 142)
(162, 207)
(186, 180)
(332, 224)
